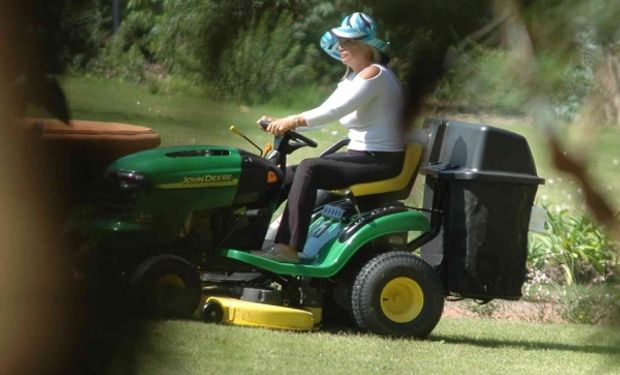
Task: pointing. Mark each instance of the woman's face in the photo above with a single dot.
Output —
(352, 51)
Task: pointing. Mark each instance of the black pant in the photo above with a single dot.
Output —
(331, 172)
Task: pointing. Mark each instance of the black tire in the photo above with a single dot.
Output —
(337, 307)
(397, 294)
(212, 312)
(165, 286)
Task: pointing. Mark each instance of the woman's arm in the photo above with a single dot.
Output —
(360, 92)
(335, 107)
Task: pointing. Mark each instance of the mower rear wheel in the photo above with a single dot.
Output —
(397, 294)
(165, 286)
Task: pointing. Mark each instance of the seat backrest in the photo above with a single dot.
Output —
(399, 187)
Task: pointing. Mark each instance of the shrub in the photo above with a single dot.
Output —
(265, 61)
(485, 310)
(83, 30)
(579, 304)
(156, 38)
(119, 60)
(573, 250)
(484, 80)
(250, 51)
(301, 97)
(538, 286)
(491, 80)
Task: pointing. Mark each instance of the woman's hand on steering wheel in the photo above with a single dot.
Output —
(275, 126)
(278, 126)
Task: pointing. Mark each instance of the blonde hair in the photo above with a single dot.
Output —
(346, 73)
(376, 55)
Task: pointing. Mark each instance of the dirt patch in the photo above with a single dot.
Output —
(508, 310)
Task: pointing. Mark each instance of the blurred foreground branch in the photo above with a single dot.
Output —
(518, 39)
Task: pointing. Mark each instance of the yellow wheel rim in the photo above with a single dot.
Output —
(402, 299)
(170, 281)
(167, 290)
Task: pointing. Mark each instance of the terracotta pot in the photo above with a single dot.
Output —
(77, 154)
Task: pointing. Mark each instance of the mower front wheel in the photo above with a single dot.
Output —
(212, 312)
(397, 294)
(165, 286)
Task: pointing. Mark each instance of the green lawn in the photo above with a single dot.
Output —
(457, 346)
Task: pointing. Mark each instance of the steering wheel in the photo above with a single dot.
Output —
(293, 135)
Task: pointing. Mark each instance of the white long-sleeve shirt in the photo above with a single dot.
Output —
(369, 108)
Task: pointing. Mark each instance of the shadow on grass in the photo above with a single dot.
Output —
(609, 349)
(527, 345)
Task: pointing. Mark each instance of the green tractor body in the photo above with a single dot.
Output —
(333, 243)
(162, 196)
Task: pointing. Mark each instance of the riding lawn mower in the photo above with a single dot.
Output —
(175, 227)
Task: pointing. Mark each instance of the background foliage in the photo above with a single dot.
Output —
(199, 40)
(264, 61)
(574, 264)
(573, 250)
(202, 42)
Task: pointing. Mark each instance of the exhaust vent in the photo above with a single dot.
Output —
(193, 153)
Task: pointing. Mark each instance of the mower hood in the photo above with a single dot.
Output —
(184, 167)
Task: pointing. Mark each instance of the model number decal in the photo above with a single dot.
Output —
(209, 180)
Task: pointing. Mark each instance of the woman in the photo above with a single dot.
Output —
(368, 102)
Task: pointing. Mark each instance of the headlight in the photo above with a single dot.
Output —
(126, 180)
